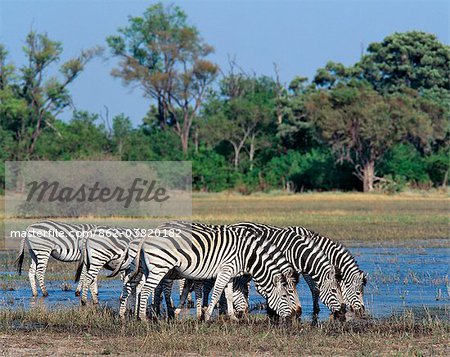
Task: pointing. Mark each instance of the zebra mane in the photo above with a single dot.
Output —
(337, 245)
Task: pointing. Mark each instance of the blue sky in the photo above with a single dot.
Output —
(300, 36)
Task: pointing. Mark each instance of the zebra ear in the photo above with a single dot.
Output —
(364, 279)
(277, 280)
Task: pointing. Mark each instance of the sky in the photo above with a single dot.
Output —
(299, 36)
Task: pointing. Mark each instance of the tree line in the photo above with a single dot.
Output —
(382, 123)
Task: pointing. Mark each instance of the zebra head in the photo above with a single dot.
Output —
(353, 292)
(279, 303)
(330, 293)
(292, 278)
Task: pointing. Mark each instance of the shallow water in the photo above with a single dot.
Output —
(399, 279)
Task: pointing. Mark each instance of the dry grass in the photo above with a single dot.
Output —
(347, 217)
(98, 331)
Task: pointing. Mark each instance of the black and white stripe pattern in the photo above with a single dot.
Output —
(106, 247)
(307, 258)
(59, 240)
(205, 251)
(353, 278)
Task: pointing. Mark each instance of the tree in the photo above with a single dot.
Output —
(165, 57)
(240, 114)
(121, 130)
(412, 59)
(361, 125)
(81, 138)
(30, 101)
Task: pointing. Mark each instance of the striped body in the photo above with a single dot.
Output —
(307, 258)
(59, 240)
(106, 247)
(204, 252)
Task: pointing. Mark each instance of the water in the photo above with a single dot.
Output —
(399, 279)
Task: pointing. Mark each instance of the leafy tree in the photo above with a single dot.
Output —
(81, 138)
(360, 125)
(438, 166)
(121, 131)
(165, 57)
(241, 114)
(412, 59)
(209, 171)
(404, 160)
(30, 100)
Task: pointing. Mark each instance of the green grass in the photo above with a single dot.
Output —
(99, 331)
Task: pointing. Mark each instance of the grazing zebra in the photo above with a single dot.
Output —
(307, 258)
(48, 238)
(106, 247)
(201, 252)
(353, 279)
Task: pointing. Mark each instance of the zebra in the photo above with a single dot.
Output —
(201, 252)
(307, 258)
(48, 238)
(353, 278)
(113, 248)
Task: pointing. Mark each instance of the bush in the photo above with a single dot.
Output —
(404, 163)
(209, 171)
(314, 170)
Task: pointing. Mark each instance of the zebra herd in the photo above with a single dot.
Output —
(218, 258)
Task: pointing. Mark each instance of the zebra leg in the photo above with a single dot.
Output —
(223, 278)
(198, 289)
(91, 276)
(186, 285)
(315, 296)
(139, 281)
(167, 290)
(223, 304)
(80, 283)
(157, 299)
(208, 285)
(40, 273)
(130, 286)
(229, 298)
(32, 277)
(94, 290)
(126, 290)
(155, 275)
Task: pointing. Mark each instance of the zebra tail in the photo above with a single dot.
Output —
(137, 260)
(82, 261)
(19, 260)
(79, 270)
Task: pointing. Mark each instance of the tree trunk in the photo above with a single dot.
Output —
(251, 153)
(368, 176)
(196, 140)
(184, 143)
(445, 180)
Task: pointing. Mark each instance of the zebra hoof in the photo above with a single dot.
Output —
(45, 294)
(83, 303)
(77, 293)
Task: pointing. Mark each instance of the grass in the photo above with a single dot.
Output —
(411, 219)
(351, 218)
(98, 331)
